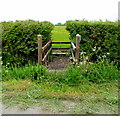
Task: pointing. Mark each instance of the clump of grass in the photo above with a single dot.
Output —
(101, 71)
(81, 74)
(90, 85)
(98, 95)
(33, 72)
(74, 76)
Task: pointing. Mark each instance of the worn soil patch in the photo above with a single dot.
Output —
(59, 63)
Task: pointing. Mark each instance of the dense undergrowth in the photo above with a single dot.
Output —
(98, 39)
(90, 72)
(19, 40)
(93, 88)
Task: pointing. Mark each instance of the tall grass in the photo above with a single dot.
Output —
(93, 86)
(33, 72)
(75, 75)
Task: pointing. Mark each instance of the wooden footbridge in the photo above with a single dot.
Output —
(45, 53)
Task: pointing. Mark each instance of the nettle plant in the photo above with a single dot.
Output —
(19, 40)
(98, 39)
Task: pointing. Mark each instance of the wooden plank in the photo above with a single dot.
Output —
(73, 45)
(73, 56)
(43, 48)
(40, 49)
(61, 42)
(60, 53)
(60, 48)
(47, 54)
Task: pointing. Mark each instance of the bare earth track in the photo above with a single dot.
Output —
(59, 63)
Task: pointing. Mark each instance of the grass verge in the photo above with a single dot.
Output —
(86, 98)
(84, 89)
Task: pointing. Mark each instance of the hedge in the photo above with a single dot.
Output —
(98, 39)
(19, 40)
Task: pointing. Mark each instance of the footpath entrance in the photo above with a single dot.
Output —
(58, 58)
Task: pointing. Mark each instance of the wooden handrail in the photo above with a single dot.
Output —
(76, 49)
(73, 56)
(73, 45)
(46, 54)
(45, 46)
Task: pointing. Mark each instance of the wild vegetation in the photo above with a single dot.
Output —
(19, 40)
(99, 39)
(92, 87)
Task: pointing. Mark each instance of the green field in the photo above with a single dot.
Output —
(60, 34)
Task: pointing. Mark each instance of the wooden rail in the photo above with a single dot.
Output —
(46, 54)
(76, 49)
(46, 48)
(73, 57)
(44, 51)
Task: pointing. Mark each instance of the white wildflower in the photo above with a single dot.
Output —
(81, 53)
(99, 48)
(108, 53)
(86, 57)
(1, 62)
(104, 56)
(81, 63)
(93, 49)
(78, 66)
(6, 71)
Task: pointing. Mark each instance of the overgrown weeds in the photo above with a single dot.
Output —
(74, 76)
(88, 85)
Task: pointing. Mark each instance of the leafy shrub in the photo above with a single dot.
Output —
(101, 71)
(86, 73)
(98, 39)
(19, 40)
(33, 72)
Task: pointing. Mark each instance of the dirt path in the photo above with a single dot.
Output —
(59, 63)
(59, 107)
(38, 109)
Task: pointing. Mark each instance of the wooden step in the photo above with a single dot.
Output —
(66, 51)
(59, 53)
(60, 48)
(61, 42)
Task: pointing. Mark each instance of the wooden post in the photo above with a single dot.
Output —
(40, 49)
(77, 55)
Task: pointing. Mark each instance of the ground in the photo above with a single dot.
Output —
(59, 63)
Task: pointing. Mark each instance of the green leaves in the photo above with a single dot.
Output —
(103, 35)
(20, 38)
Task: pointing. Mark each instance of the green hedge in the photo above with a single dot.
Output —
(98, 39)
(19, 40)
